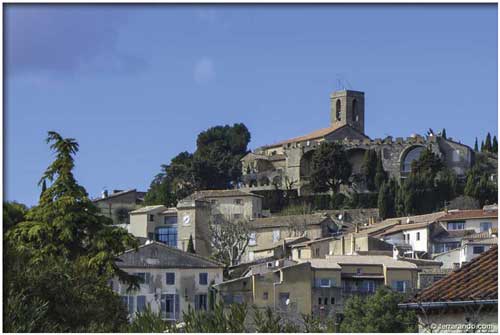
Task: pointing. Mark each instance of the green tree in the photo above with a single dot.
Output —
(380, 174)
(13, 213)
(148, 322)
(330, 168)
(387, 199)
(443, 133)
(216, 320)
(482, 146)
(160, 191)
(479, 184)
(190, 246)
(369, 168)
(378, 313)
(70, 250)
(216, 161)
(476, 149)
(44, 187)
(494, 146)
(428, 164)
(487, 143)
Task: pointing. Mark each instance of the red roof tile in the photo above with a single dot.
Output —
(311, 136)
(477, 280)
(469, 214)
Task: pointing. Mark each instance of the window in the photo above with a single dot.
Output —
(410, 156)
(167, 235)
(151, 236)
(485, 226)
(332, 300)
(151, 217)
(265, 295)
(299, 253)
(457, 225)
(355, 116)
(238, 201)
(324, 283)
(128, 301)
(252, 239)
(316, 251)
(141, 303)
(169, 305)
(170, 278)
(236, 216)
(418, 236)
(326, 301)
(338, 109)
(359, 271)
(276, 235)
(213, 202)
(170, 220)
(200, 303)
(319, 301)
(144, 278)
(284, 299)
(203, 278)
(400, 285)
(478, 249)
(368, 286)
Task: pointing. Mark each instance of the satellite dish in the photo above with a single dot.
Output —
(340, 216)
(408, 220)
(287, 302)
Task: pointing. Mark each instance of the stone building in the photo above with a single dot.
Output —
(119, 203)
(172, 281)
(287, 164)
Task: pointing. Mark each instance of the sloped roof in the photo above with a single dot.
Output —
(456, 234)
(148, 209)
(160, 255)
(121, 193)
(199, 195)
(477, 280)
(317, 134)
(389, 226)
(318, 240)
(387, 261)
(469, 214)
(287, 220)
(275, 157)
(322, 263)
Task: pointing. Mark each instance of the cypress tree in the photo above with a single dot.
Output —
(476, 146)
(494, 146)
(482, 146)
(190, 247)
(444, 133)
(487, 143)
(44, 187)
(380, 174)
(383, 201)
(369, 168)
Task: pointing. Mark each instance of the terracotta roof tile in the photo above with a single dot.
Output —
(469, 214)
(476, 280)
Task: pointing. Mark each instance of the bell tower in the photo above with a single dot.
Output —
(348, 107)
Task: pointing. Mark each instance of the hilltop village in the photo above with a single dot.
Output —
(233, 246)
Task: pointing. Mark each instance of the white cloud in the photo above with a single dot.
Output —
(204, 70)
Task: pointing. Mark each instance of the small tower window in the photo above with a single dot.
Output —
(355, 117)
(337, 108)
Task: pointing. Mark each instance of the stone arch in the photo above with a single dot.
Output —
(306, 165)
(408, 156)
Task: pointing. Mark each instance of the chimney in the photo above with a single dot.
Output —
(342, 245)
(395, 253)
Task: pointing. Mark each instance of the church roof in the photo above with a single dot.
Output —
(317, 134)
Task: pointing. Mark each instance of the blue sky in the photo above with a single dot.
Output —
(136, 84)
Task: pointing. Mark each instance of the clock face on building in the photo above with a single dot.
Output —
(186, 219)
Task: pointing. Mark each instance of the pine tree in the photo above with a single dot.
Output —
(482, 146)
(494, 146)
(476, 149)
(487, 143)
(190, 247)
(443, 133)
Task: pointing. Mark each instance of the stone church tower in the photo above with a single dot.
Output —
(348, 107)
